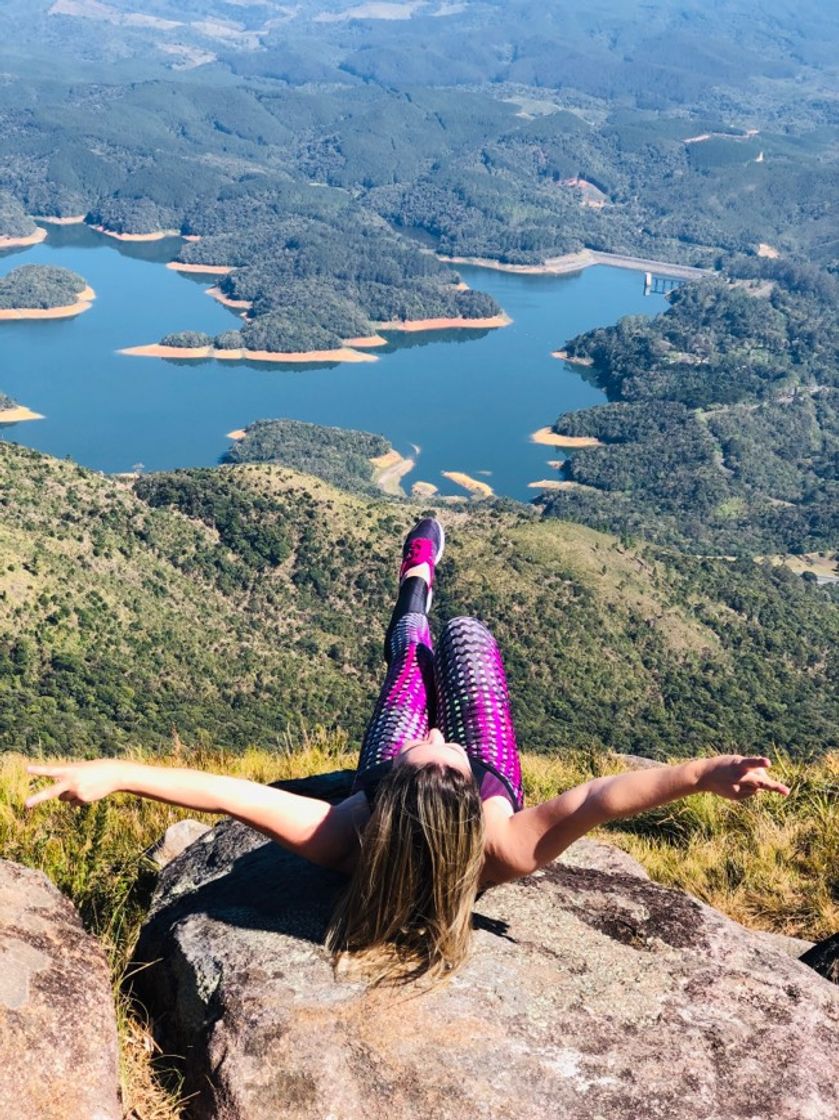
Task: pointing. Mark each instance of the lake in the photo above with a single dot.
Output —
(467, 399)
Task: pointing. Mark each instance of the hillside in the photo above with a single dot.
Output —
(722, 430)
(237, 603)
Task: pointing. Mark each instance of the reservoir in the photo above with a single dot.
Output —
(467, 399)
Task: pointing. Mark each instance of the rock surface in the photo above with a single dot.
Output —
(824, 958)
(176, 839)
(591, 994)
(58, 1038)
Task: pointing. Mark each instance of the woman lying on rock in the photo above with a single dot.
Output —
(437, 810)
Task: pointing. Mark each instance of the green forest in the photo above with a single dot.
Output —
(39, 286)
(337, 455)
(723, 431)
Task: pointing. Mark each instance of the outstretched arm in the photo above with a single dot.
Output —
(321, 832)
(530, 839)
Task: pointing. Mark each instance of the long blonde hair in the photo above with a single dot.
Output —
(407, 912)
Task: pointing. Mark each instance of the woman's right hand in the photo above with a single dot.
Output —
(77, 782)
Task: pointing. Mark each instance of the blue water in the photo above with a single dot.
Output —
(469, 400)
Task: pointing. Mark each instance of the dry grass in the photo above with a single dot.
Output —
(770, 863)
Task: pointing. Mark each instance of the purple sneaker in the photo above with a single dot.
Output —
(423, 545)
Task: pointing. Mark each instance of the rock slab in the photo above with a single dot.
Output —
(58, 1036)
(592, 993)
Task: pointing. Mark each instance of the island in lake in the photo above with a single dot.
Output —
(12, 413)
(37, 291)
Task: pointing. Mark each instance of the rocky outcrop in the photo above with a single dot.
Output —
(824, 958)
(58, 1039)
(591, 992)
(176, 839)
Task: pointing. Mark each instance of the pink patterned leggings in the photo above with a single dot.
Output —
(460, 687)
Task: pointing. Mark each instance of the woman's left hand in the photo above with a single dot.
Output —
(737, 777)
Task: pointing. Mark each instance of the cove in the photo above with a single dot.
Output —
(467, 399)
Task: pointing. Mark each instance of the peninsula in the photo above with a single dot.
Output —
(156, 235)
(473, 485)
(37, 291)
(444, 324)
(13, 413)
(201, 353)
(24, 240)
(551, 438)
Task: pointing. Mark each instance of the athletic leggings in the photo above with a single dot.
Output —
(460, 688)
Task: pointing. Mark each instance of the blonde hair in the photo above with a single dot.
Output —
(407, 912)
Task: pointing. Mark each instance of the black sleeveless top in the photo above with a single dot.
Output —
(484, 775)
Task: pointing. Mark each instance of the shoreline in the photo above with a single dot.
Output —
(199, 353)
(158, 235)
(75, 220)
(84, 301)
(473, 485)
(366, 341)
(17, 414)
(549, 438)
(236, 434)
(586, 258)
(23, 242)
(410, 325)
(564, 356)
(389, 470)
(424, 490)
(556, 484)
(201, 269)
(235, 304)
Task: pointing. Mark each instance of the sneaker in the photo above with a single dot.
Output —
(423, 545)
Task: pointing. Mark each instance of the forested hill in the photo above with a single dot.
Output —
(722, 434)
(237, 603)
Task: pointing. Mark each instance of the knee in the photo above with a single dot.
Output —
(463, 626)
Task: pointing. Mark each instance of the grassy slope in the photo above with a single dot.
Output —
(120, 622)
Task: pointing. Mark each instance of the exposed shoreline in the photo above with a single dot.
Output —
(566, 357)
(366, 341)
(547, 484)
(556, 484)
(84, 301)
(201, 269)
(158, 235)
(236, 434)
(424, 490)
(23, 242)
(389, 470)
(473, 485)
(586, 258)
(409, 325)
(17, 414)
(235, 304)
(550, 438)
(156, 350)
(74, 220)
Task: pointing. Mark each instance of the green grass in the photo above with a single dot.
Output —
(769, 863)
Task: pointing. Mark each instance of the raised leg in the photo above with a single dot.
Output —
(406, 703)
(474, 700)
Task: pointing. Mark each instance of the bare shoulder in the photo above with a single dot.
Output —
(351, 816)
(498, 814)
